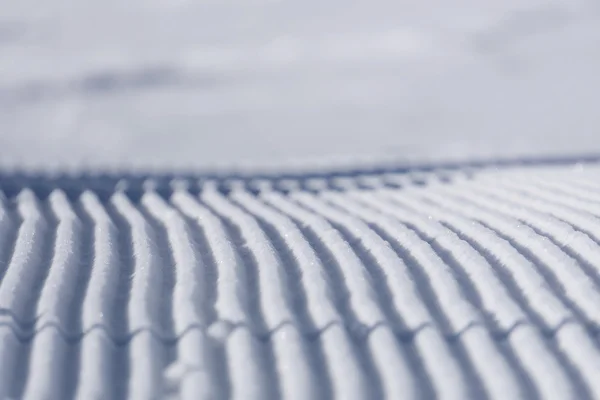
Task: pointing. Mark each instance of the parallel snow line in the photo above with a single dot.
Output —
(246, 356)
(163, 257)
(46, 377)
(193, 374)
(396, 277)
(529, 348)
(320, 303)
(212, 282)
(569, 336)
(232, 291)
(581, 218)
(402, 290)
(424, 339)
(99, 342)
(243, 351)
(577, 243)
(563, 196)
(397, 374)
(27, 266)
(120, 313)
(541, 365)
(561, 269)
(96, 364)
(96, 357)
(58, 305)
(57, 295)
(145, 309)
(527, 344)
(11, 351)
(533, 291)
(582, 188)
(492, 294)
(460, 313)
(390, 362)
(584, 243)
(25, 276)
(158, 235)
(101, 354)
(248, 375)
(9, 344)
(360, 309)
(188, 305)
(582, 353)
(562, 192)
(362, 276)
(315, 294)
(147, 288)
(579, 289)
(274, 299)
(293, 366)
(146, 365)
(75, 317)
(482, 352)
(362, 298)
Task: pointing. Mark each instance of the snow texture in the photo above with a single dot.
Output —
(475, 283)
(299, 199)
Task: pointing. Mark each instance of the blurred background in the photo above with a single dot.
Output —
(203, 84)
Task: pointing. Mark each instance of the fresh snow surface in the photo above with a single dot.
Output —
(479, 283)
(202, 83)
(265, 213)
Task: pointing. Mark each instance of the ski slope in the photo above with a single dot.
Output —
(479, 282)
(299, 199)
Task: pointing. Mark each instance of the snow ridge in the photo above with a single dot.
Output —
(445, 285)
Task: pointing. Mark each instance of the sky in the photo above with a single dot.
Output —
(203, 84)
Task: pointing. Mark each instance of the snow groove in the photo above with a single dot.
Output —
(579, 290)
(382, 337)
(291, 357)
(234, 325)
(456, 284)
(349, 380)
(146, 306)
(507, 318)
(459, 314)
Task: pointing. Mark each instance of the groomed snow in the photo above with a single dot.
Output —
(299, 199)
(443, 284)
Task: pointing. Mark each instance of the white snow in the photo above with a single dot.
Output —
(481, 282)
(470, 285)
